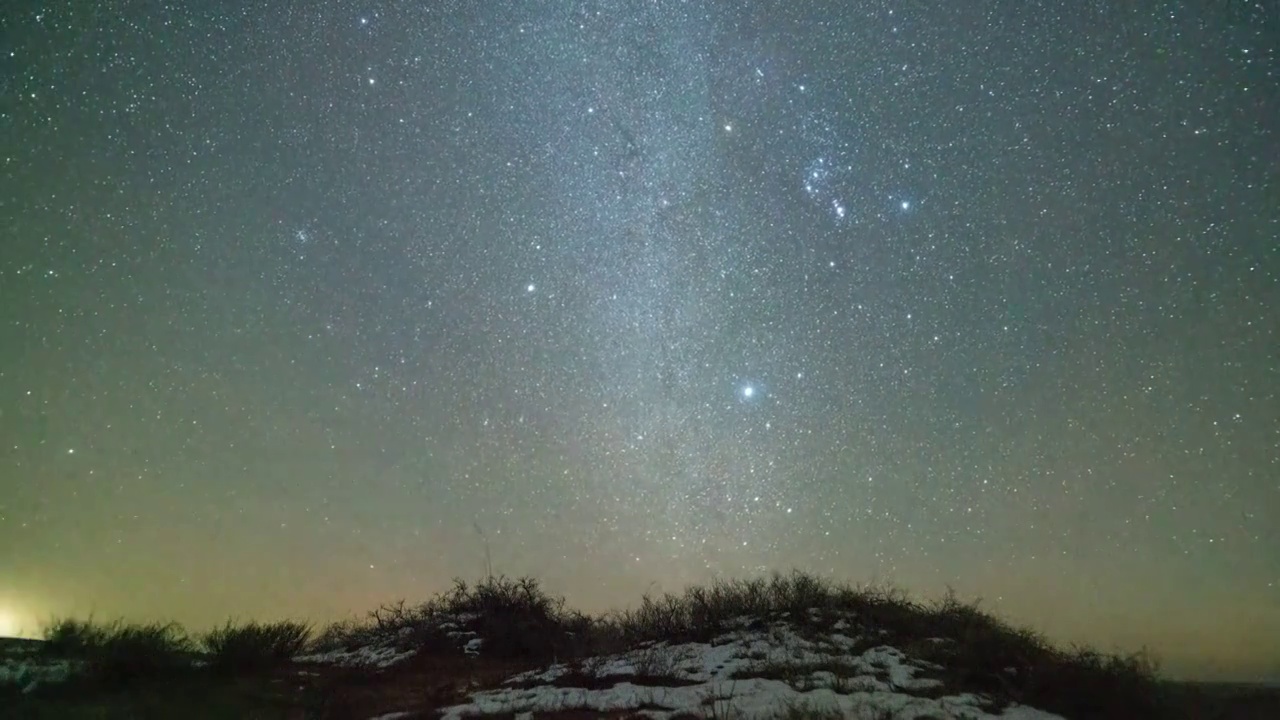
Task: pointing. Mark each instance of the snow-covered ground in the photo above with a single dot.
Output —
(22, 665)
(756, 670)
(397, 648)
(745, 674)
(375, 656)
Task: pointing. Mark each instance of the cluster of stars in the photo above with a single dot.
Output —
(654, 291)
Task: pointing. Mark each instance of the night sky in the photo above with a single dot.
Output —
(303, 304)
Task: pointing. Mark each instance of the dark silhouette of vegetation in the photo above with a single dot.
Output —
(964, 648)
(253, 646)
(117, 654)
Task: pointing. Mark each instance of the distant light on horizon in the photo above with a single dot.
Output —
(14, 625)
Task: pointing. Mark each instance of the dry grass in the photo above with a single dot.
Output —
(252, 646)
(117, 654)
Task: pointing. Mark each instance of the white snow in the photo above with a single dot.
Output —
(392, 649)
(757, 670)
(734, 676)
(29, 670)
(379, 656)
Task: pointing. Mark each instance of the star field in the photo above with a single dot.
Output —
(304, 304)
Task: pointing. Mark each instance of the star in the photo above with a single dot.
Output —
(614, 279)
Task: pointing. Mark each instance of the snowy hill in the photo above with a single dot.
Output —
(767, 672)
(790, 647)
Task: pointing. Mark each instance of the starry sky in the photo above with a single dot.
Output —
(306, 306)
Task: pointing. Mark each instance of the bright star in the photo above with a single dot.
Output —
(748, 391)
(530, 287)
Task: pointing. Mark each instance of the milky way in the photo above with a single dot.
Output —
(305, 305)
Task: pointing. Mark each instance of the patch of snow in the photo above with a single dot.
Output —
(458, 622)
(394, 647)
(379, 656)
(392, 716)
(732, 674)
(30, 672)
(13, 649)
(842, 641)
